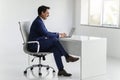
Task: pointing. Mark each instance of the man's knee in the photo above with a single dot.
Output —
(55, 40)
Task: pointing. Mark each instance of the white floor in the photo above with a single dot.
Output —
(11, 69)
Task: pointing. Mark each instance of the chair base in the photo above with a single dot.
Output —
(39, 66)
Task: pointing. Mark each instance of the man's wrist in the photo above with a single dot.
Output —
(60, 35)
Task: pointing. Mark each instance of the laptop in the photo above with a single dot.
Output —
(70, 33)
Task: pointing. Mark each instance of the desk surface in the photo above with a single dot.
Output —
(80, 38)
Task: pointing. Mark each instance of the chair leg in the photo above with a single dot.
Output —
(30, 67)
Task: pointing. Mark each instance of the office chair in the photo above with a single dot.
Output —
(24, 29)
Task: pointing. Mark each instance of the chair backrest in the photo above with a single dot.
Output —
(24, 29)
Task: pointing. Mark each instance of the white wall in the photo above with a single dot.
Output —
(112, 35)
(12, 11)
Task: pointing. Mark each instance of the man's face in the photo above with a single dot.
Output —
(45, 14)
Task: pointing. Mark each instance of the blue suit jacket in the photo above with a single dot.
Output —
(39, 32)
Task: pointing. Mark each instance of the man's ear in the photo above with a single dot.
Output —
(42, 12)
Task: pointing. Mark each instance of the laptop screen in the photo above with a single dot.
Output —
(71, 32)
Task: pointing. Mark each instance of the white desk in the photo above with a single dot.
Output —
(92, 52)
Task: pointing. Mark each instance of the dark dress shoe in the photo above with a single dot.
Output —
(71, 59)
(64, 73)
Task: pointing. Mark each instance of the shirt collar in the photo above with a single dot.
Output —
(41, 19)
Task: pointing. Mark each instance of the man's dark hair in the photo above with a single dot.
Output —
(42, 9)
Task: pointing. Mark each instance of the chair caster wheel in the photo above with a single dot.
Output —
(47, 68)
(25, 72)
(31, 68)
(53, 71)
(40, 74)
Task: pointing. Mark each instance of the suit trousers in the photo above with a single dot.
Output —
(53, 45)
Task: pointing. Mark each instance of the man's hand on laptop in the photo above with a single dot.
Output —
(62, 35)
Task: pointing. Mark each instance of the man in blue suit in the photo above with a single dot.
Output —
(49, 41)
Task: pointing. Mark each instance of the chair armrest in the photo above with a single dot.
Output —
(31, 42)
